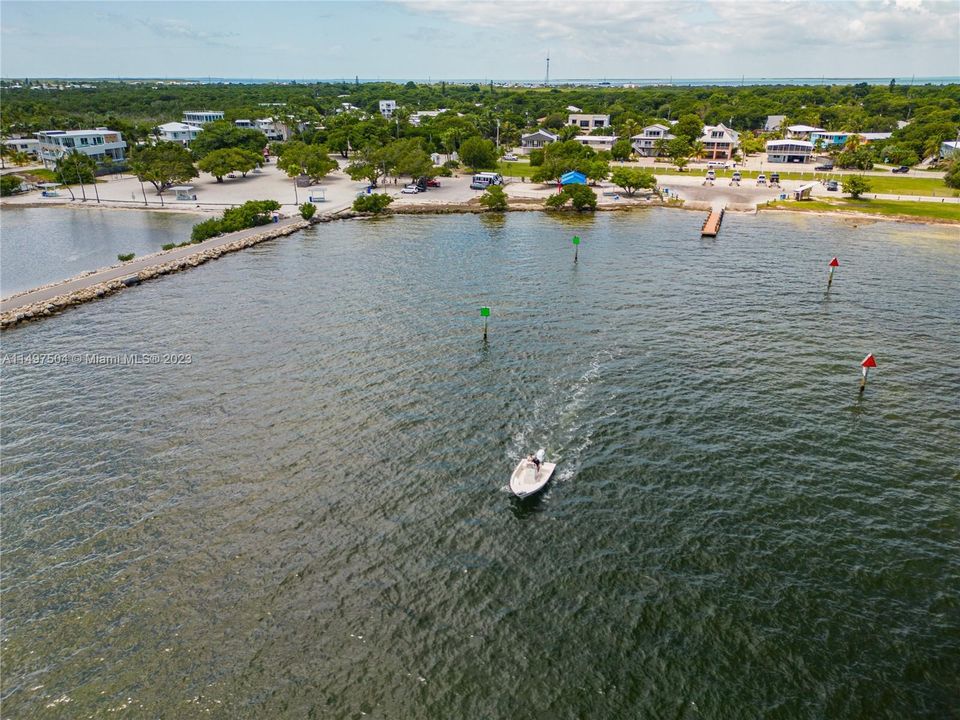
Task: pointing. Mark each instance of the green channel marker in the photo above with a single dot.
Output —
(576, 247)
(484, 313)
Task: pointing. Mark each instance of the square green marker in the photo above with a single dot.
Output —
(484, 312)
(576, 239)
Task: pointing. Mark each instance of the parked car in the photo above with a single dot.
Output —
(410, 190)
(901, 169)
(510, 157)
(832, 185)
(717, 164)
(825, 166)
(433, 182)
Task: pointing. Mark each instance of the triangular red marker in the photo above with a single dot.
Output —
(834, 263)
(868, 361)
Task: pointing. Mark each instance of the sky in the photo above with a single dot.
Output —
(481, 39)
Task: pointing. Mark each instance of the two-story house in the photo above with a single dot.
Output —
(719, 142)
(588, 122)
(178, 132)
(649, 143)
(536, 140)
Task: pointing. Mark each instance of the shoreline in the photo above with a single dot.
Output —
(33, 311)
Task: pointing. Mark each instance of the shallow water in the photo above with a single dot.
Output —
(46, 244)
(310, 518)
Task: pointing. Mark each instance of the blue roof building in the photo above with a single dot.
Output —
(573, 178)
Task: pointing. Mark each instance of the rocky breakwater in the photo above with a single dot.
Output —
(97, 290)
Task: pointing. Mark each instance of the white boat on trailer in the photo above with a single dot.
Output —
(531, 476)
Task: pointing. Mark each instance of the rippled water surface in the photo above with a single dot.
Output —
(310, 519)
(43, 245)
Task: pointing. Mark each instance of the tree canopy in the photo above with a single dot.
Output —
(163, 165)
(222, 135)
(298, 158)
(227, 160)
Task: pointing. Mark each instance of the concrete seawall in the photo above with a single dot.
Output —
(47, 301)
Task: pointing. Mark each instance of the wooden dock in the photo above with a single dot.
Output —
(711, 226)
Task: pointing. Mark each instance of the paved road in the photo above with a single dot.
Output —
(133, 267)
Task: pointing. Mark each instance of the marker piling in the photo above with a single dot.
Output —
(834, 264)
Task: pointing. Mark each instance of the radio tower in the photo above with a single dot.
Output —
(547, 80)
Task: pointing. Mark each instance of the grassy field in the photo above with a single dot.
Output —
(515, 169)
(940, 211)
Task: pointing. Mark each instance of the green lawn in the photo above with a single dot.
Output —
(891, 184)
(515, 169)
(941, 211)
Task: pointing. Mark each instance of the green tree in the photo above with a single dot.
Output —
(679, 152)
(856, 185)
(632, 179)
(75, 167)
(223, 134)
(621, 150)
(494, 198)
(858, 157)
(298, 158)
(580, 196)
(227, 160)
(9, 184)
(163, 165)
(307, 210)
(478, 154)
(689, 127)
(374, 203)
(951, 177)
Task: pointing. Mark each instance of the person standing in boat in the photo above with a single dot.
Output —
(536, 462)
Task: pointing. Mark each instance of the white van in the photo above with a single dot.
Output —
(717, 164)
(481, 181)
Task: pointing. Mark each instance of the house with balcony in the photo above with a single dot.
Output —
(788, 151)
(101, 144)
(649, 142)
(588, 122)
(536, 140)
(417, 117)
(388, 108)
(178, 132)
(719, 142)
(199, 118)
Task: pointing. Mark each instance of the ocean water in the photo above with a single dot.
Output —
(304, 513)
(46, 244)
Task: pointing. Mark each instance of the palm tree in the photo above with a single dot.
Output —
(696, 148)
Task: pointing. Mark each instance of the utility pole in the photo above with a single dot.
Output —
(498, 133)
(547, 79)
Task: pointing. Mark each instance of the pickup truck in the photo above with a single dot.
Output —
(902, 169)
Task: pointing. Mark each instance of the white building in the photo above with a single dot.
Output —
(719, 142)
(199, 118)
(536, 140)
(101, 144)
(801, 132)
(597, 142)
(948, 148)
(274, 129)
(785, 151)
(574, 109)
(588, 122)
(178, 132)
(647, 142)
(346, 107)
(417, 117)
(30, 146)
(387, 108)
(245, 124)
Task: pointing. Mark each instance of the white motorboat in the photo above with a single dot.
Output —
(527, 478)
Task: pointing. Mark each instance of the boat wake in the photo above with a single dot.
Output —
(567, 430)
